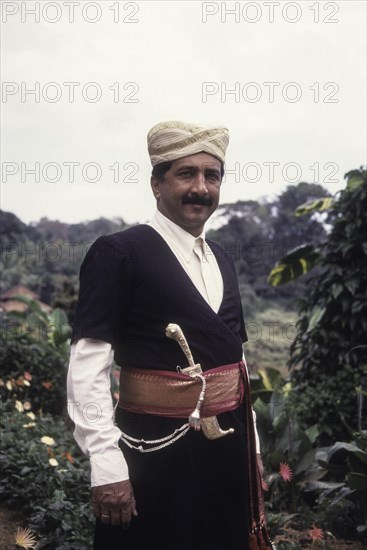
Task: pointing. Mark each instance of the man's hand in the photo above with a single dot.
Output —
(114, 503)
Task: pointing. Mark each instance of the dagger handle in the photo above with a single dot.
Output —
(209, 425)
(175, 332)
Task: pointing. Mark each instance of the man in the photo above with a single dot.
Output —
(171, 488)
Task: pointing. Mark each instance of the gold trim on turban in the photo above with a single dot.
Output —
(172, 140)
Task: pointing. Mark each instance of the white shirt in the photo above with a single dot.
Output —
(89, 396)
(195, 256)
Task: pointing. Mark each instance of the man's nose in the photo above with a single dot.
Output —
(199, 185)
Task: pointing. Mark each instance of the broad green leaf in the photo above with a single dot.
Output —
(354, 182)
(58, 328)
(261, 409)
(281, 421)
(318, 205)
(270, 377)
(323, 486)
(58, 317)
(305, 461)
(334, 468)
(276, 405)
(336, 289)
(352, 285)
(342, 493)
(341, 445)
(312, 433)
(298, 262)
(357, 482)
(311, 476)
(316, 316)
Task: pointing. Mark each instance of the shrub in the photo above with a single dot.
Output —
(34, 356)
(32, 373)
(43, 472)
(329, 352)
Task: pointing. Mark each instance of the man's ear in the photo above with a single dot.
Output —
(155, 183)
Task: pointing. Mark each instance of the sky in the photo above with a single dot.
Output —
(83, 82)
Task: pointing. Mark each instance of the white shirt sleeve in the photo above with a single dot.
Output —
(257, 439)
(90, 407)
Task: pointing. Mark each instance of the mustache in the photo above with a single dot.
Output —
(194, 198)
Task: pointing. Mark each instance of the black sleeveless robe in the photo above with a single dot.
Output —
(192, 495)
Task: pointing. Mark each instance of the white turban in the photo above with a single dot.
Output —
(173, 140)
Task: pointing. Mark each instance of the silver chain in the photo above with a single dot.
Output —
(194, 422)
(194, 418)
(162, 443)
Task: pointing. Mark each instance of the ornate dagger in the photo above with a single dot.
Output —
(209, 425)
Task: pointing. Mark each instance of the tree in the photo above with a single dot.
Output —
(257, 234)
(293, 231)
(330, 348)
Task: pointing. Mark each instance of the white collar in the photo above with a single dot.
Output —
(176, 235)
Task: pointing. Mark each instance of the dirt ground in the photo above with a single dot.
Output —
(10, 519)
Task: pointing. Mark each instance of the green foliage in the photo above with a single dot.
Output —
(319, 205)
(41, 255)
(66, 295)
(34, 361)
(49, 480)
(46, 255)
(32, 373)
(297, 262)
(327, 482)
(257, 234)
(345, 482)
(33, 357)
(303, 258)
(54, 325)
(284, 441)
(330, 400)
(355, 178)
(41, 477)
(329, 351)
(330, 343)
(291, 231)
(267, 382)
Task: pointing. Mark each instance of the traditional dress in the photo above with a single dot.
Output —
(193, 493)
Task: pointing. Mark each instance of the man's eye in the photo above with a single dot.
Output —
(186, 173)
(212, 176)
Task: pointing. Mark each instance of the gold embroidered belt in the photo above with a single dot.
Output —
(174, 394)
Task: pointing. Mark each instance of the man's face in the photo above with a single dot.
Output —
(189, 192)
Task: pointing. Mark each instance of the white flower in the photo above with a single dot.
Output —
(31, 415)
(25, 538)
(53, 462)
(48, 440)
(19, 406)
(29, 425)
